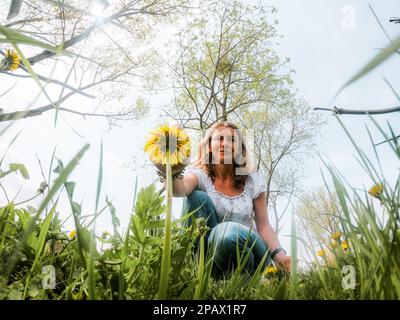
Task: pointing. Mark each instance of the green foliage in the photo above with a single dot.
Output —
(13, 167)
(129, 266)
(228, 67)
(226, 64)
(131, 276)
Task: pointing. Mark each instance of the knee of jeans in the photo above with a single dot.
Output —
(225, 234)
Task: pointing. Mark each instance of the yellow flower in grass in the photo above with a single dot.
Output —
(168, 142)
(344, 245)
(320, 253)
(336, 235)
(72, 234)
(376, 191)
(11, 61)
(270, 270)
(76, 295)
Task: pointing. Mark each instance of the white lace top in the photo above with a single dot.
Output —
(237, 208)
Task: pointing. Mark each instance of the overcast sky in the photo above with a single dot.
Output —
(327, 42)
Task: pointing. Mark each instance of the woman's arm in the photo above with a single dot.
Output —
(267, 233)
(184, 186)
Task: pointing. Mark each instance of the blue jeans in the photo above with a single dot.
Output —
(224, 238)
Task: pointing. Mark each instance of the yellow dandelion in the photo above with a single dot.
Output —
(168, 142)
(11, 61)
(75, 296)
(72, 234)
(320, 253)
(376, 191)
(344, 245)
(334, 243)
(270, 270)
(336, 235)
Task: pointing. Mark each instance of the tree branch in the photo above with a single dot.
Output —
(55, 81)
(337, 110)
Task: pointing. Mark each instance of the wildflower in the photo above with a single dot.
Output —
(320, 253)
(344, 245)
(376, 191)
(168, 142)
(169, 149)
(105, 234)
(11, 61)
(76, 296)
(336, 235)
(270, 270)
(72, 234)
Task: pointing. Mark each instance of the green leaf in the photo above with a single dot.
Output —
(58, 183)
(293, 252)
(14, 9)
(70, 187)
(376, 61)
(60, 166)
(43, 232)
(99, 177)
(138, 229)
(76, 208)
(8, 147)
(112, 262)
(14, 36)
(28, 67)
(21, 168)
(114, 219)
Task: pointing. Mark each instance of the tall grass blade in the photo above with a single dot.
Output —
(8, 147)
(166, 254)
(57, 184)
(91, 268)
(293, 253)
(13, 36)
(372, 64)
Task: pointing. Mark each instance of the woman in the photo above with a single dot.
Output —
(225, 190)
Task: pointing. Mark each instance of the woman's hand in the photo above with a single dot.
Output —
(176, 170)
(283, 262)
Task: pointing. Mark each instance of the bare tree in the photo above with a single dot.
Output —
(105, 51)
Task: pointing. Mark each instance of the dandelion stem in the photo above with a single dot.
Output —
(166, 256)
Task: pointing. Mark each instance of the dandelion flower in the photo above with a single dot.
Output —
(75, 296)
(344, 245)
(72, 234)
(11, 61)
(320, 253)
(169, 150)
(376, 190)
(334, 243)
(168, 142)
(270, 270)
(336, 235)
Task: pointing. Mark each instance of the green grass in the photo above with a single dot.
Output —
(130, 266)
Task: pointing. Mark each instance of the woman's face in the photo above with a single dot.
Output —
(223, 141)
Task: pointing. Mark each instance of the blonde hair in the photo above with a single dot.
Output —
(242, 160)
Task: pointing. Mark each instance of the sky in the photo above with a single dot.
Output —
(327, 42)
